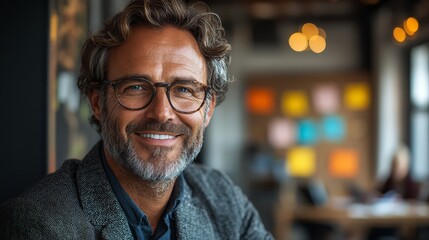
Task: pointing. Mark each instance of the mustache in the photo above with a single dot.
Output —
(153, 125)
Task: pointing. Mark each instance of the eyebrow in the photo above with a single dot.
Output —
(132, 76)
(186, 78)
(174, 79)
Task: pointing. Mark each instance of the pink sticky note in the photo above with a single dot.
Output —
(281, 132)
(326, 99)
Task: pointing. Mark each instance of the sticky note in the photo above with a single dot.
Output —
(357, 96)
(326, 99)
(333, 128)
(295, 103)
(301, 161)
(260, 100)
(344, 163)
(307, 132)
(281, 132)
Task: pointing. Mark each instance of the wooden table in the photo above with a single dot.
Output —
(355, 219)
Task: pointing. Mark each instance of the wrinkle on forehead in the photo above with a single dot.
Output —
(183, 59)
(158, 49)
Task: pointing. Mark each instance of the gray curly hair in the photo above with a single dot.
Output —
(197, 18)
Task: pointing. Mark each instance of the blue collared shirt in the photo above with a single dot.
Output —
(137, 219)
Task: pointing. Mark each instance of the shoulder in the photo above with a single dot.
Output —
(60, 183)
(56, 187)
(42, 210)
(233, 215)
(215, 191)
(203, 178)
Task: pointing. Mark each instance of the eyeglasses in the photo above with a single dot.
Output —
(135, 93)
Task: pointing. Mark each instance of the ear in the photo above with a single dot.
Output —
(94, 100)
(211, 110)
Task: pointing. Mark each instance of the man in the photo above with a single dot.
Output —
(153, 76)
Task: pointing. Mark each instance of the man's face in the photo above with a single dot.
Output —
(155, 143)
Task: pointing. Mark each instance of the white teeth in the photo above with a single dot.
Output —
(157, 136)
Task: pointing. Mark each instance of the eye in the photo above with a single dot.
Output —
(183, 89)
(134, 88)
(187, 90)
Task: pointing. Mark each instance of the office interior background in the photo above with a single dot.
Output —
(326, 91)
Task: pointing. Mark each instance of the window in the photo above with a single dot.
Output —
(419, 111)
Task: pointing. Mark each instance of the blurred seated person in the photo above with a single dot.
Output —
(399, 180)
(399, 183)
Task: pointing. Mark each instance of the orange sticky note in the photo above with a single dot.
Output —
(301, 161)
(344, 163)
(295, 103)
(260, 100)
(356, 96)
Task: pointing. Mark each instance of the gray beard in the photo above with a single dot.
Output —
(156, 169)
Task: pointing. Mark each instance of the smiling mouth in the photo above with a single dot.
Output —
(158, 139)
(157, 136)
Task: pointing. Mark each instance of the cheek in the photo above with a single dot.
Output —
(194, 121)
(120, 116)
(125, 117)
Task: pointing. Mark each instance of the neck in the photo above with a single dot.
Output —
(150, 197)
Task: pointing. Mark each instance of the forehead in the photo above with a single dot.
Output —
(157, 52)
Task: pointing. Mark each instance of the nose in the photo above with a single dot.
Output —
(160, 108)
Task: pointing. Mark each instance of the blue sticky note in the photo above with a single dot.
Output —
(333, 128)
(307, 132)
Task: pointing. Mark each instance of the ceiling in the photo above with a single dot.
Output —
(320, 9)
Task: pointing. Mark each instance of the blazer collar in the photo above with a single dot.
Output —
(193, 221)
(98, 200)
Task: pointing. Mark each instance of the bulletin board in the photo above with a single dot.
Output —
(321, 125)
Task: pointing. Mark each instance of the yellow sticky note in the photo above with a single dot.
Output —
(295, 103)
(356, 96)
(344, 163)
(260, 100)
(301, 161)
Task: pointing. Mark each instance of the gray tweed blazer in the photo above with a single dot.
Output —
(77, 202)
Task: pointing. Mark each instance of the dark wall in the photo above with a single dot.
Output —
(23, 73)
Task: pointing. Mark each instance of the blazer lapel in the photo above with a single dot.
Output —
(98, 200)
(192, 219)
